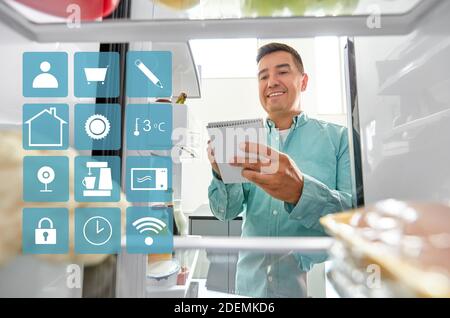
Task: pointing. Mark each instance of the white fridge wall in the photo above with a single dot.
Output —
(37, 278)
(29, 276)
(404, 110)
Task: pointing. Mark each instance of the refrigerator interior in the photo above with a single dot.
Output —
(399, 112)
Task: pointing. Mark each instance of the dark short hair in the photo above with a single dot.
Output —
(275, 47)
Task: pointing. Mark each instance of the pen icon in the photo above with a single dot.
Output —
(148, 73)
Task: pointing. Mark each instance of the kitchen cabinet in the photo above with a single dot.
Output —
(221, 273)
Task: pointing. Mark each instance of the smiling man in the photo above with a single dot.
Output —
(312, 178)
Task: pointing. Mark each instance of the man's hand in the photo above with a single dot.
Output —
(211, 158)
(273, 171)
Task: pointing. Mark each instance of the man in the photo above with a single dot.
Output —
(312, 178)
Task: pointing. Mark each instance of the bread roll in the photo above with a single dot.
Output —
(419, 232)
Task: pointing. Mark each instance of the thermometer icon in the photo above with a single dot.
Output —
(148, 126)
(149, 74)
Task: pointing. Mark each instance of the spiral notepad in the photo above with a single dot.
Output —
(226, 136)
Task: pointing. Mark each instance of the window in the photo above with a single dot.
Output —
(329, 85)
(225, 58)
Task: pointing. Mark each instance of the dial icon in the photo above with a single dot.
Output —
(97, 230)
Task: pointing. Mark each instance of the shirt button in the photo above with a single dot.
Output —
(275, 212)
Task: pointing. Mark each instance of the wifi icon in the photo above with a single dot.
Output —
(149, 224)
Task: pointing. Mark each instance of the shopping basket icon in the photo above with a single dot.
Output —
(95, 74)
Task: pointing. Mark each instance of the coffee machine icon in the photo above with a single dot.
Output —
(100, 187)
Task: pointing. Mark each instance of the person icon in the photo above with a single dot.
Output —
(45, 80)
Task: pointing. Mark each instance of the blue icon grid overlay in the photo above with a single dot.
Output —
(97, 230)
(97, 179)
(149, 230)
(45, 179)
(96, 74)
(45, 231)
(149, 126)
(149, 74)
(97, 126)
(45, 126)
(149, 179)
(44, 74)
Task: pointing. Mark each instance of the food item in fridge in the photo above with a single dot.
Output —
(89, 9)
(181, 98)
(163, 273)
(418, 232)
(267, 8)
(409, 242)
(179, 4)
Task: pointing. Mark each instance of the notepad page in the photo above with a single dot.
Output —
(226, 138)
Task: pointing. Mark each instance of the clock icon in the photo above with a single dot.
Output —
(97, 230)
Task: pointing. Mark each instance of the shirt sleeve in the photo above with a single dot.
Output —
(226, 201)
(318, 199)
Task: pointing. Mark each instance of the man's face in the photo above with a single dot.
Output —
(280, 83)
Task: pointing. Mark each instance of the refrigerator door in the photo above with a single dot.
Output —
(404, 112)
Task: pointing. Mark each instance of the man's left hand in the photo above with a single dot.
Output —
(275, 172)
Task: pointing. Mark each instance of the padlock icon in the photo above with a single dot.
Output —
(45, 235)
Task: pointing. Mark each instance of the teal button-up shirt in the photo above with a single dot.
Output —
(320, 150)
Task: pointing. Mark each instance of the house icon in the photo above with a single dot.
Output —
(45, 129)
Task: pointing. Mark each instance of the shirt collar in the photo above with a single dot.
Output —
(297, 121)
